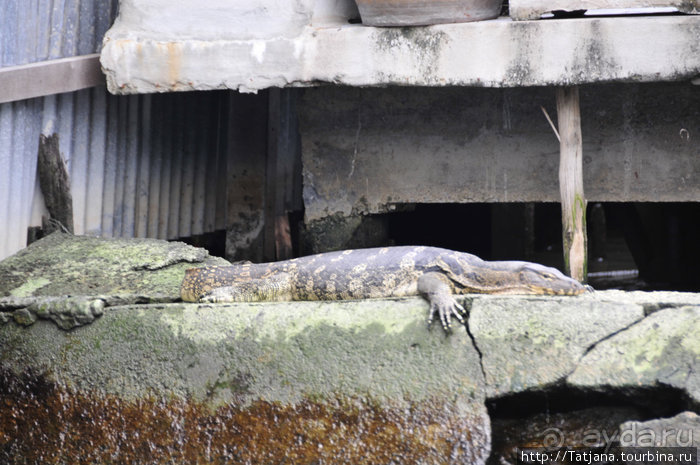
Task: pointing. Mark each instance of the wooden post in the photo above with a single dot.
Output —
(54, 182)
(573, 201)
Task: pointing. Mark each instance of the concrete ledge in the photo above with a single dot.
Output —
(497, 53)
(365, 151)
(301, 382)
(341, 382)
(356, 382)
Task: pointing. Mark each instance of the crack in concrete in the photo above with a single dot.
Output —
(650, 307)
(607, 337)
(467, 304)
(647, 309)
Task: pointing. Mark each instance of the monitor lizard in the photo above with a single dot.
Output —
(435, 273)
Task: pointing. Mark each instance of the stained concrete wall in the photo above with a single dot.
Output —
(367, 150)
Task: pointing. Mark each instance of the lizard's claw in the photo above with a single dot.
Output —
(446, 308)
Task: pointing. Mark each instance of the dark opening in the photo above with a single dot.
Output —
(646, 246)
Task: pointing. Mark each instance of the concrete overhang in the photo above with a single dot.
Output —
(163, 46)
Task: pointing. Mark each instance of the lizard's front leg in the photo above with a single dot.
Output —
(433, 287)
(273, 288)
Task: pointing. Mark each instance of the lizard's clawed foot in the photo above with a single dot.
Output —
(446, 307)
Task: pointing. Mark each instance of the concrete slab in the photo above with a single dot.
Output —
(309, 382)
(663, 349)
(533, 9)
(159, 46)
(551, 334)
(369, 150)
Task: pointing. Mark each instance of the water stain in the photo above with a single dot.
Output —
(44, 423)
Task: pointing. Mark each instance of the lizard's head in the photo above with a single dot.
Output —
(540, 279)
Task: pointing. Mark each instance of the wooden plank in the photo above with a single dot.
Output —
(50, 77)
(288, 198)
(573, 200)
(283, 238)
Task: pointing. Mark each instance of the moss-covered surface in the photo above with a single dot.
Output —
(535, 343)
(320, 382)
(293, 382)
(362, 377)
(661, 350)
(549, 333)
(63, 264)
(275, 351)
(70, 279)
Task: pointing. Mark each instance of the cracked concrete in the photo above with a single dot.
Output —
(552, 334)
(539, 343)
(346, 373)
(663, 349)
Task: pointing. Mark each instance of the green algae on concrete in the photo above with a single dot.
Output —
(69, 279)
(367, 375)
(279, 349)
(663, 349)
(63, 264)
(532, 342)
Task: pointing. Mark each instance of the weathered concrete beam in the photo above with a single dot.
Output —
(368, 150)
(625, 340)
(209, 50)
(533, 9)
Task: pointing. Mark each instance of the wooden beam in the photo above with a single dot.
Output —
(573, 200)
(50, 77)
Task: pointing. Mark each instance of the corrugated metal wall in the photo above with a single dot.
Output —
(144, 166)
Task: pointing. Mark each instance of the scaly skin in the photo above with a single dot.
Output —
(435, 273)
